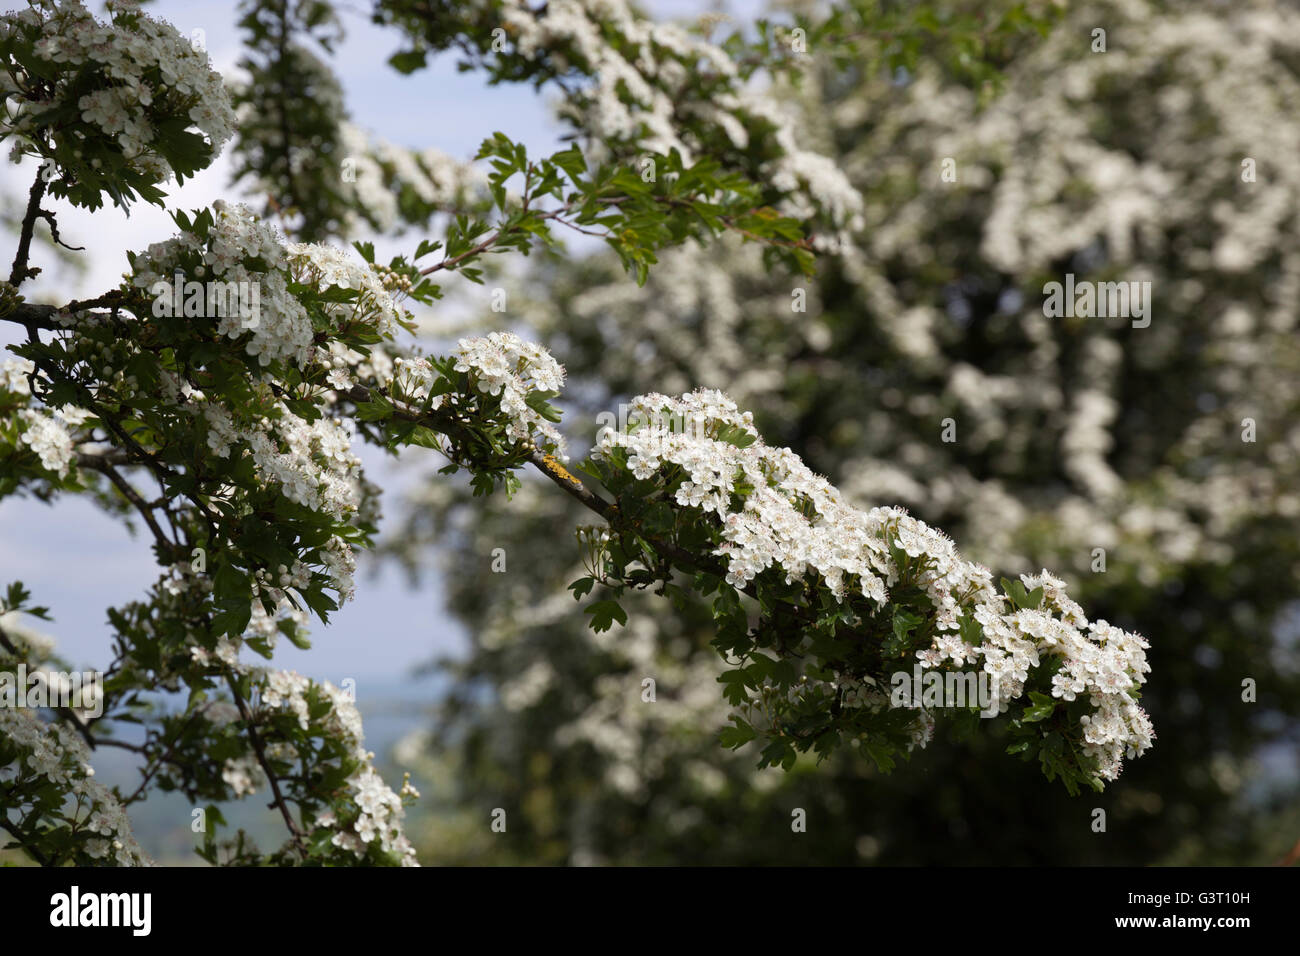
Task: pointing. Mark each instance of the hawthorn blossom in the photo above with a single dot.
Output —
(379, 810)
(59, 755)
(505, 366)
(49, 440)
(143, 71)
(797, 522)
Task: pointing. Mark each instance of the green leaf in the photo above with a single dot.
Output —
(881, 754)
(424, 437)
(904, 622)
(1042, 707)
(736, 737)
(1015, 590)
(229, 584)
(733, 682)
(571, 161)
(537, 401)
(582, 587)
(735, 435)
(375, 410)
(604, 613)
(408, 61)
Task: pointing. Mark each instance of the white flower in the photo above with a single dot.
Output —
(49, 440)
(243, 775)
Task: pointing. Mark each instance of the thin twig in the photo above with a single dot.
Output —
(256, 740)
(156, 764)
(131, 495)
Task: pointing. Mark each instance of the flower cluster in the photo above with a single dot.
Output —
(53, 434)
(1097, 659)
(645, 90)
(242, 774)
(14, 376)
(236, 254)
(506, 367)
(246, 257)
(311, 462)
(55, 754)
(49, 440)
(379, 172)
(325, 267)
(771, 528)
(378, 810)
(772, 512)
(133, 87)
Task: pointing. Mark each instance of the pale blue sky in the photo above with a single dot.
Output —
(79, 562)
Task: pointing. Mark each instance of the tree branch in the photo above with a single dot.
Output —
(21, 837)
(20, 270)
(131, 495)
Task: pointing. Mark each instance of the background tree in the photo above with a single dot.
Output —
(1128, 156)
